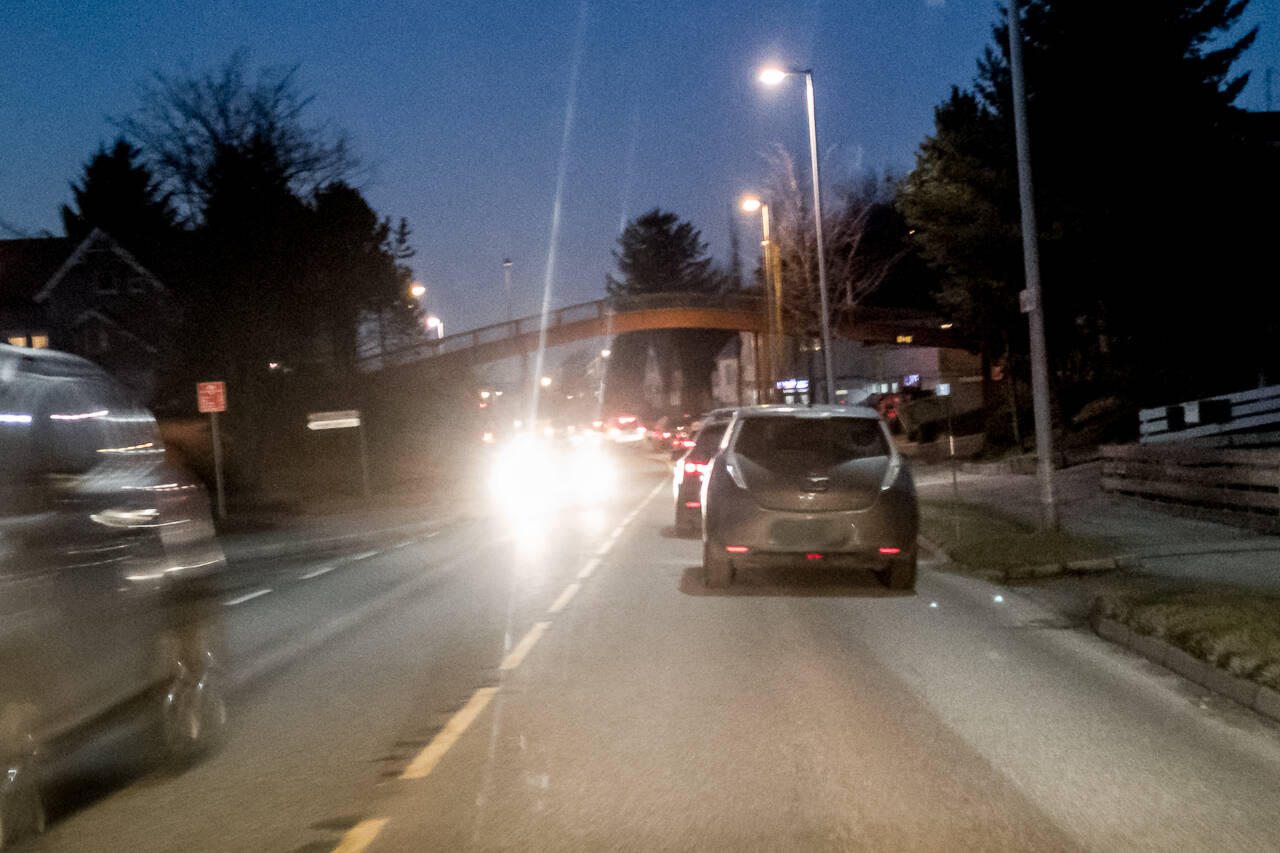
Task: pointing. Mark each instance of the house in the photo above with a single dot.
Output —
(90, 298)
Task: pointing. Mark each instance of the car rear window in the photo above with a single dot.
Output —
(708, 438)
(828, 441)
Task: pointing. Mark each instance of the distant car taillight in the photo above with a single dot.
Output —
(736, 549)
(890, 551)
(693, 504)
(686, 443)
(698, 468)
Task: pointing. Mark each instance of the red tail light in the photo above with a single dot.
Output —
(696, 467)
(666, 435)
(890, 551)
(693, 504)
(686, 443)
(736, 549)
(813, 556)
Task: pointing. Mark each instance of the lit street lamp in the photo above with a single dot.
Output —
(545, 381)
(418, 290)
(434, 322)
(773, 295)
(772, 77)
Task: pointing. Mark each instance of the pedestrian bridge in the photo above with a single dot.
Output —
(736, 312)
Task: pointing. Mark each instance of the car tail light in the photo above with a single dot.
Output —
(696, 467)
(890, 551)
(666, 435)
(686, 443)
(813, 556)
(693, 504)
(736, 549)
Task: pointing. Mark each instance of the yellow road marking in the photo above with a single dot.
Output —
(360, 836)
(569, 592)
(427, 760)
(522, 648)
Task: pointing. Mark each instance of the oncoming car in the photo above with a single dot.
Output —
(109, 579)
(804, 486)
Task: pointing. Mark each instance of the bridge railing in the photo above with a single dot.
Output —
(583, 311)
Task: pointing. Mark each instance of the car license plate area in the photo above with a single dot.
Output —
(806, 533)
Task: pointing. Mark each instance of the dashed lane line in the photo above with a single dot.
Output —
(241, 599)
(565, 597)
(523, 647)
(360, 836)
(427, 760)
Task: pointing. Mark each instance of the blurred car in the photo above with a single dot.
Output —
(532, 475)
(692, 464)
(669, 429)
(797, 486)
(109, 573)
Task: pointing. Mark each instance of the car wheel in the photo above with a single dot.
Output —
(193, 711)
(716, 568)
(900, 574)
(21, 809)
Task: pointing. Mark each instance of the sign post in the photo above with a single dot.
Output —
(211, 397)
(346, 419)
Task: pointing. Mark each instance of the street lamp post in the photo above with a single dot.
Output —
(506, 269)
(773, 296)
(771, 77)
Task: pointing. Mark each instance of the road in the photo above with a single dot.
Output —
(573, 686)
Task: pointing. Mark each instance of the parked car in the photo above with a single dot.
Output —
(691, 465)
(797, 486)
(109, 572)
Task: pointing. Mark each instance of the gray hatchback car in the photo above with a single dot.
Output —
(109, 572)
(822, 486)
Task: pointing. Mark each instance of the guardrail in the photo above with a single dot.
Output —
(1198, 419)
(1236, 486)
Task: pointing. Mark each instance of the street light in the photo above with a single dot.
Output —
(606, 352)
(545, 381)
(772, 77)
(506, 268)
(773, 294)
(418, 290)
(434, 322)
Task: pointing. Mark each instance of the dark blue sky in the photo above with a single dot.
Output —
(458, 110)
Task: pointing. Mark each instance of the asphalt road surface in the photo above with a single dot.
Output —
(567, 683)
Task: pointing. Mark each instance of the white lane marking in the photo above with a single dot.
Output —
(363, 555)
(565, 597)
(591, 566)
(315, 573)
(360, 836)
(232, 602)
(522, 648)
(427, 760)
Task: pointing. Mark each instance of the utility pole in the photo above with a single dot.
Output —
(1032, 303)
(506, 269)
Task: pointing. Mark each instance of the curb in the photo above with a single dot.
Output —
(1075, 567)
(1252, 695)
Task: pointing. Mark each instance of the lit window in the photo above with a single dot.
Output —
(18, 340)
(39, 341)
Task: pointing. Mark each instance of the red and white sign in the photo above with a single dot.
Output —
(211, 396)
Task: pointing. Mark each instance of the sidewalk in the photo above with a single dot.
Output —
(1228, 645)
(1165, 544)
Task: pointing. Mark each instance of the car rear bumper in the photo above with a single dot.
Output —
(853, 536)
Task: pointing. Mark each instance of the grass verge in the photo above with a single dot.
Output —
(982, 541)
(1235, 630)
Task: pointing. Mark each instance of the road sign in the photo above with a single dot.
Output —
(347, 419)
(211, 396)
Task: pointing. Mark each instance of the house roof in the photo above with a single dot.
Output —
(27, 265)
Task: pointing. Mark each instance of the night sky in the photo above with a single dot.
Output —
(458, 111)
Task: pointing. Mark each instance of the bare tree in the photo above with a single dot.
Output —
(186, 123)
